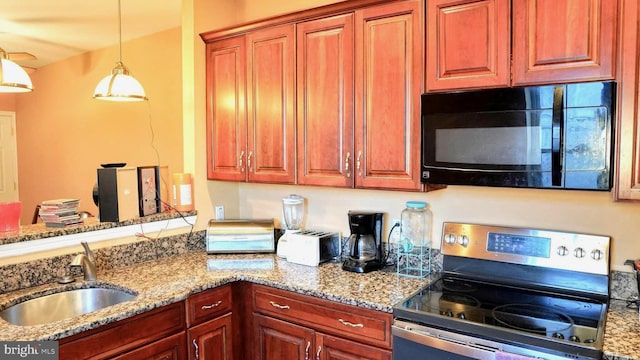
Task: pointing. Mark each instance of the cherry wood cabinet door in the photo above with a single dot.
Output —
(270, 105)
(170, 348)
(389, 47)
(211, 340)
(333, 348)
(276, 339)
(627, 173)
(325, 101)
(468, 44)
(563, 40)
(226, 115)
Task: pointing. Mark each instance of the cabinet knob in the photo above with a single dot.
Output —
(276, 305)
(350, 324)
(207, 307)
(346, 164)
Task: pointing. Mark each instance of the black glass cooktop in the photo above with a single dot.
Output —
(518, 313)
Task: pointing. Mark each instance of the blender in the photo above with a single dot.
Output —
(293, 214)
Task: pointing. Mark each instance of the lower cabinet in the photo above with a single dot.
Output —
(156, 334)
(209, 333)
(171, 348)
(292, 326)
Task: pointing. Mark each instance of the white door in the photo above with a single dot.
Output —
(8, 157)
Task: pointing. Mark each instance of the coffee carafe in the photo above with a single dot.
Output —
(365, 242)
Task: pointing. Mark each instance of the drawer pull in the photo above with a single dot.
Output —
(276, 305)
(197, 349)
(346, 323)
(207, 307)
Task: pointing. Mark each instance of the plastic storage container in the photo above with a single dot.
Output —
(414, 249)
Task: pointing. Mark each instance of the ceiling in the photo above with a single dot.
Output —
(54, 30)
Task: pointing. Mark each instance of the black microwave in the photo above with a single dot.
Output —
(555, 136)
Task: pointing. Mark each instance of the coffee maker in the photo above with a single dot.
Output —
(365, 242)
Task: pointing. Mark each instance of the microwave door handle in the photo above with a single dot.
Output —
(557, 133)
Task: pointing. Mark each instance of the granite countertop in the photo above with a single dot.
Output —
(621, 336)
(165, 281)
(168, 280)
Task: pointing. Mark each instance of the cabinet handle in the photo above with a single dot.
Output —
(276, 305)
(358, 163)
(249, 160)
(306, 351)
(207, 307)
(346, 164)
(318, 353)
(195, 346)
(346, 323)
(166, 357)
(242, 161)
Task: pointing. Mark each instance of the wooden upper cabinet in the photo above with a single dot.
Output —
(468, 43)
(563, 40)
(270, 155)
(325, 101)
(388, 77)
(627, 174)
(226, 115)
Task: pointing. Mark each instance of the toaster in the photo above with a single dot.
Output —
(313, 247)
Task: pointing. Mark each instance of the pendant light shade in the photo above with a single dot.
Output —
(119, 85)
(13, 78)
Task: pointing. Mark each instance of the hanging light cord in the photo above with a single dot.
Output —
(120, 28)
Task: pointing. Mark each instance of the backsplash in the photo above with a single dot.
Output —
(43, 271)
(49, 270)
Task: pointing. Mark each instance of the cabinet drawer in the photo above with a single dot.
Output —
(208, 305)
(119, 337)
(366, 326)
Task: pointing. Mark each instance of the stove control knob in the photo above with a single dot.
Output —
(462, 316)
(562, 250)
(448, 313)
(450, 239)
(597, 254)
(590, 341)
(574, 338)
(463, 240)
(558, 336)
(579, 252)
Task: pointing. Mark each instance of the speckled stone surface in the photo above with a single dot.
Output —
(168, 280)
(621, 337)
(39, 231)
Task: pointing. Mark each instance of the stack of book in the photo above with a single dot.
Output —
(60, 212)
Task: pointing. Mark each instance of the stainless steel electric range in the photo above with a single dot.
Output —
(509, 293)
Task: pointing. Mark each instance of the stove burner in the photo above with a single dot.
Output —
(458, 286)
(532, 318)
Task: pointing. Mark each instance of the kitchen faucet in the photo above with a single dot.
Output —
(87, 262)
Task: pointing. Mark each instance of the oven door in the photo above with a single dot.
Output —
(412, 341)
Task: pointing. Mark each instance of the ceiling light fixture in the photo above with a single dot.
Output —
(13, 78)
(119, 85)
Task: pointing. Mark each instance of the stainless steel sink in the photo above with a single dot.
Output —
(63, 305)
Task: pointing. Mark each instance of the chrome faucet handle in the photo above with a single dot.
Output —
(88, 252)
(87, 262)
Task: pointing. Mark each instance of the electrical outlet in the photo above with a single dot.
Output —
(394, 238)
(219, 212)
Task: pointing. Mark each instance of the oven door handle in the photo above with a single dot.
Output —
(441, 343)
(557, 135)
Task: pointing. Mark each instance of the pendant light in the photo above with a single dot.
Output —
(119, 85)
(13, 78)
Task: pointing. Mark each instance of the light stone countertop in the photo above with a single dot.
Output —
(168, 280)
(622, 334)
(165, 281)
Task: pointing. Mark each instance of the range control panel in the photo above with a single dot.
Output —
(546, 248)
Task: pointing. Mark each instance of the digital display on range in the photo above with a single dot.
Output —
(525, 245)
